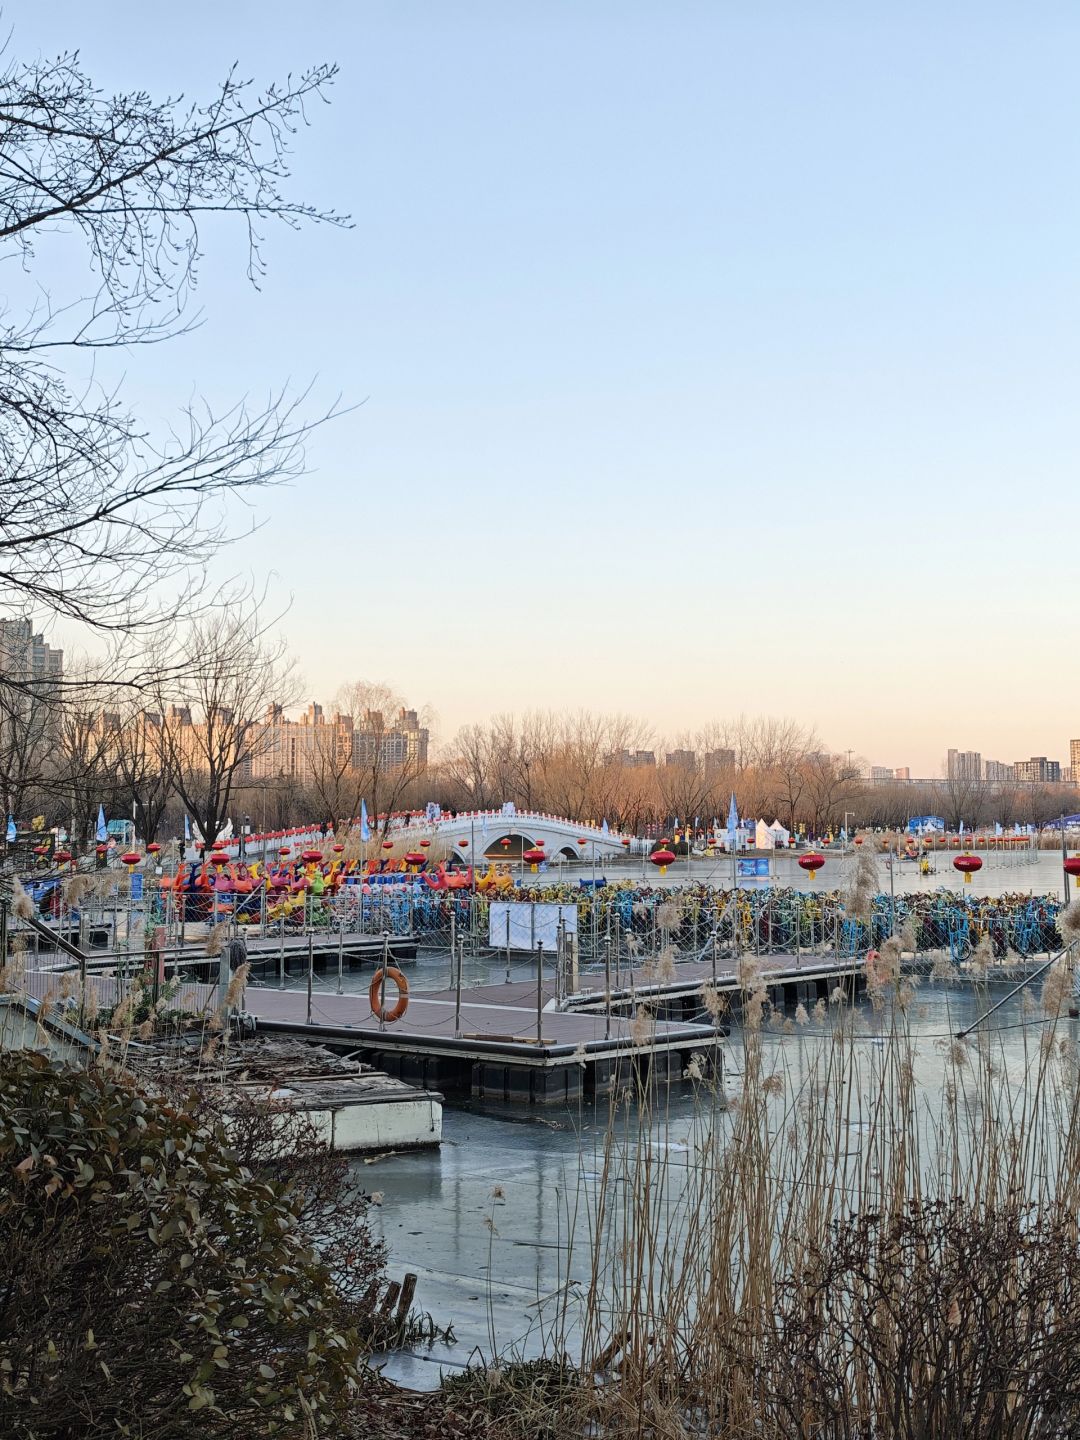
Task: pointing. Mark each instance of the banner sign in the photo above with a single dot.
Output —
(522, 925)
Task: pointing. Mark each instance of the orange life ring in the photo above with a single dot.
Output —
(375, 990)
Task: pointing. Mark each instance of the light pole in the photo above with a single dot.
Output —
(846, 835)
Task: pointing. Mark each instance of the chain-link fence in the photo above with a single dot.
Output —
(638, 921)
(613, 923)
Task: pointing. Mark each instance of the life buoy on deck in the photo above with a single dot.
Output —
(396, 1011)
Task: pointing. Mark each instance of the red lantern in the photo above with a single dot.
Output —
(216, 857)
(310, 857)
(425, 844)
(811, 863)
(415, 859)
(132, 858)
(534, 858)
(662, 858)
(967, 865)
(153, 848)
(339, 849)
(626, 844)
(283, 851)
(388, 844)
(858, 839)
(505, 842)
(465, 844)
(1071, 865)
(583, 840)
(41, 850)
(62, 856)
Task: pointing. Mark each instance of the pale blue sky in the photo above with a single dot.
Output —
(715, 357)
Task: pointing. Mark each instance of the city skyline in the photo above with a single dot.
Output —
(20, 640)
(27, 656)
(307, 715)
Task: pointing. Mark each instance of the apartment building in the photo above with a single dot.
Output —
(963, 765)
(1038, 771)
(25, 657)
(997, 772)
(301, 748)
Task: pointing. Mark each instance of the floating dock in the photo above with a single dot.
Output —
(356, 1109)
(516, 1041)
(490, 1045)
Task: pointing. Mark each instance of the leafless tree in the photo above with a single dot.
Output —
(685, 781)
(830, 790)
(959, 799)
(97, 514)
(140, 760)
(336, 783)
(82, 776)
(28, 723)
(469, 774)
(386, 765)
(213, 708)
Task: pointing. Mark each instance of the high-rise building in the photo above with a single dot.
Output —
(679, 757)
(391, 745)
(633, 759)
(997, 772)
(720, 759)
(1074, 756)
(1038, 771)
(881, 772)
(25, 657)
(30, 673)
(964, 765)
(902, 772)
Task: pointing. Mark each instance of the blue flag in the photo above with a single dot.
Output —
(365, 828)
(10, 829)
(102, 832)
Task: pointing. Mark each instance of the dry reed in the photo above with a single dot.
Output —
(705, 1310)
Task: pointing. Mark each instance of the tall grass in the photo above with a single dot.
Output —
(842, 1255)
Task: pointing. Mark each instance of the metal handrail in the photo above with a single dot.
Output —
(1016, 991)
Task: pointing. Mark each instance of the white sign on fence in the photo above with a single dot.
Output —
(523, 926)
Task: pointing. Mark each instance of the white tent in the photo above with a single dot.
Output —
(779, 834)
(764, 839)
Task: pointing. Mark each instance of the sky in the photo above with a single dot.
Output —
(705, 359)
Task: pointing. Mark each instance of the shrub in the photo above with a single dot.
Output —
(943, 1319)
(149, 1284)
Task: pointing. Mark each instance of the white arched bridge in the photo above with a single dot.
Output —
(494, 835)
(477, 835)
